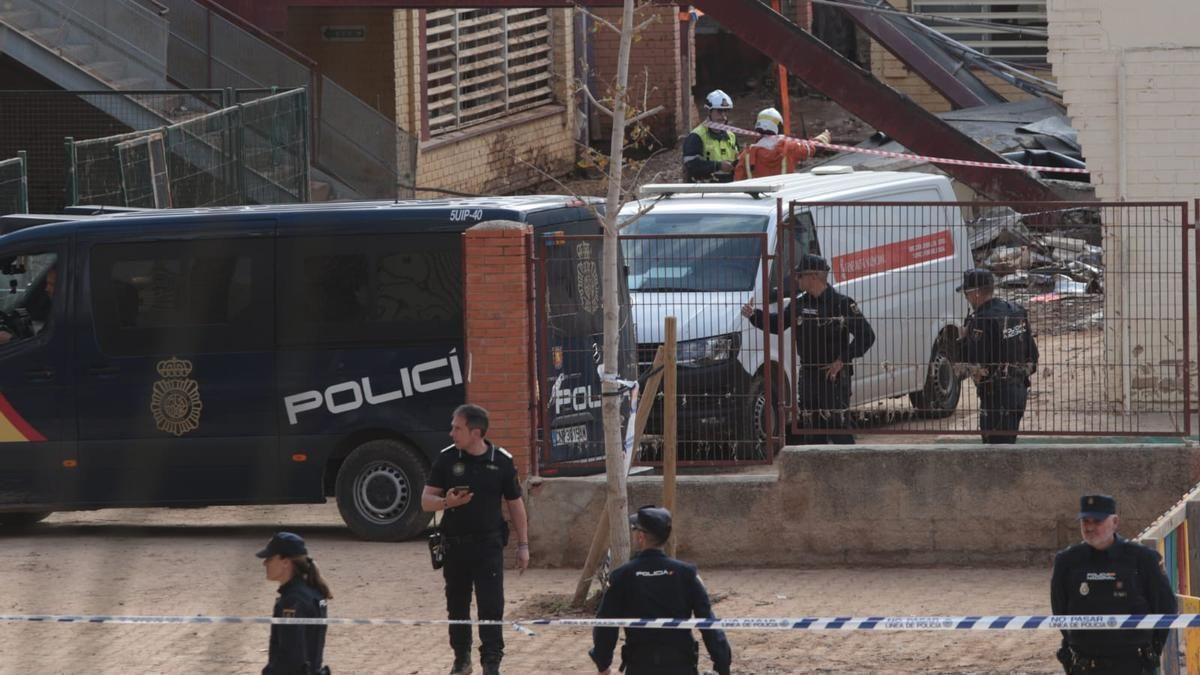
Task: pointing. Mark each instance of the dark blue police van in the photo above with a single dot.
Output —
(249, 355)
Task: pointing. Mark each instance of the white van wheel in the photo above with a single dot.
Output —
(758, 424)
(379, 491)
(943, 388)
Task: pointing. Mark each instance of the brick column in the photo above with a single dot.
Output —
(497, 325)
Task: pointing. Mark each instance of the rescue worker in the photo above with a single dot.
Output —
(709, 154)
(1107, 574)
(655, 586)
(468, 481)
(773, 154)
(303, 594)
(997, 342)
(830, 333)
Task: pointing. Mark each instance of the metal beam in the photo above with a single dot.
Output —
(871, 100)
(945, 73)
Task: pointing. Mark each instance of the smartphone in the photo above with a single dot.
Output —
(465, 489)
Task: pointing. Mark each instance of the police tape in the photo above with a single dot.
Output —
(844, 623)
(902, 155)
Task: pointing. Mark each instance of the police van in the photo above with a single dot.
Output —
(901, 269)
(248, 355)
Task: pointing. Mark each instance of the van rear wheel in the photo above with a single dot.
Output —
(943, 388)
(758, 423)
(16, 521)
(379, 491)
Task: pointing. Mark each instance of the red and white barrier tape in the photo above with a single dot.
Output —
(900, 155)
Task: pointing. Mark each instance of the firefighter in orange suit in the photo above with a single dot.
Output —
(773, 154)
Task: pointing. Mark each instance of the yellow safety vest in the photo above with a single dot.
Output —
(717, 149)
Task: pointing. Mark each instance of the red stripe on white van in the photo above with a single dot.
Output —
(892, 256)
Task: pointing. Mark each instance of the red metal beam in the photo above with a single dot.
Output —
(871, 100)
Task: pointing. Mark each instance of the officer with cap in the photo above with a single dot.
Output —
(709, 154)
(997, 341)
(655, 586)
(1107, 574)
(303, 594)
(830, 333)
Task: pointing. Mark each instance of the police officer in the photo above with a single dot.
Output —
(654, 586)
(303, 594)
(709, 154)
(1107, 574)
(998, 342)
(831, 332)
(468, 481)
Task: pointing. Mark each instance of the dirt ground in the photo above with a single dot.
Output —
(191, 562)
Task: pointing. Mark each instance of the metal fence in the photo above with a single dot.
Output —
(255, 152)
(14, 185)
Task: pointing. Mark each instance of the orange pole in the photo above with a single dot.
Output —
(785, 101)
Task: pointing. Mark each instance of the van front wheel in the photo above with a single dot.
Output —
(379, 491)
(939, 397)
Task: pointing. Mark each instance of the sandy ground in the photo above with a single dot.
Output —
(183, 562)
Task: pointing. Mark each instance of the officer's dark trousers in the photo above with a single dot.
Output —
(1001, 407)
(660, 670)
(476, 563)
(823, 405)
(1113, 666)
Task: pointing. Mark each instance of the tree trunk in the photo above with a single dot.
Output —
(618, 500)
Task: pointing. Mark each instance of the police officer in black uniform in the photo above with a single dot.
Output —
(1107, 574)
(467, 481)
(831, 332)
(997, 340)
(303, 594)
(654, 586)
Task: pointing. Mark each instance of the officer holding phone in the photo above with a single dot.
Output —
(468, 481)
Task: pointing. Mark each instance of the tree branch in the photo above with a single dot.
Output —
(592, 98)
(649, 113)
(589, 13)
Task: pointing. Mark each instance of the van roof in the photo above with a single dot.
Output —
(514, 208)
(792, 187)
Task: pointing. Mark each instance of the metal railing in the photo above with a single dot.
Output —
(14, 184)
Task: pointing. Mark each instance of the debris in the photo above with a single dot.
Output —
(1065, 285)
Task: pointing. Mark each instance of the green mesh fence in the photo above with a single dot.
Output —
(250, 153)
(14, 185)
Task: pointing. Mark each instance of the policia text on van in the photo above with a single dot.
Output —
(239, 356)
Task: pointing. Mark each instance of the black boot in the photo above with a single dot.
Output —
(462, 664)
(491, 668)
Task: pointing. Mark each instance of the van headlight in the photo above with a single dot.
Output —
(708, 351)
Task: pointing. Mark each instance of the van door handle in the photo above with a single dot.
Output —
(39, 374)
(102, 370)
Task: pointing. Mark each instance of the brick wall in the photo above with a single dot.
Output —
(653, 69)
(498, 325)
(1156, 152)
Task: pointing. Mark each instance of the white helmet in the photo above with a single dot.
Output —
(769, 120)
(718, 100)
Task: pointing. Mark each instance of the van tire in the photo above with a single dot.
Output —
(17, 521)
(752, 432)
(943, 388)
(379, 489)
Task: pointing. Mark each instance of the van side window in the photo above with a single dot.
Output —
(29, 295)
(351, 290)
(197, 296)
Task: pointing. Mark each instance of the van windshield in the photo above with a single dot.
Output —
(693, 252)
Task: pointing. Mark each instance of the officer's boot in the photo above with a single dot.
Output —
(491, 668)
(462, 663)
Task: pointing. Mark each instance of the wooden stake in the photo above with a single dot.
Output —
(600, 537)
(670, 425)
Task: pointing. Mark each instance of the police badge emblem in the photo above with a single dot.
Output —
(458, 469)
(175, 399)
(587, 278)
(1083, 588)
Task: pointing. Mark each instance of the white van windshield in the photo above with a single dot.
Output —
(693, 252)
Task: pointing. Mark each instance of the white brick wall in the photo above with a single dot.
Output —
(1157, 148)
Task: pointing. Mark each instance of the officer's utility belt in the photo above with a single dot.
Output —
(661, 656)
(474, 537)
(1007, 372)
(1139, 659)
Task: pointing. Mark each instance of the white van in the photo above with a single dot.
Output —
(900, 263)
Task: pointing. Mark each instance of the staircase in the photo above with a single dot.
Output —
(123, 45)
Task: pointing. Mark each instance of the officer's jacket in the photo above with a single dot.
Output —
(297, 650)
(828, 328)
(1125, 578)
(704, 149)
(654, 586)
(997, 335)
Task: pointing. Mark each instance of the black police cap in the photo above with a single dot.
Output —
(811, 263)
(653, 520)
(1098, 507)
(286, 544)
(976, 278)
